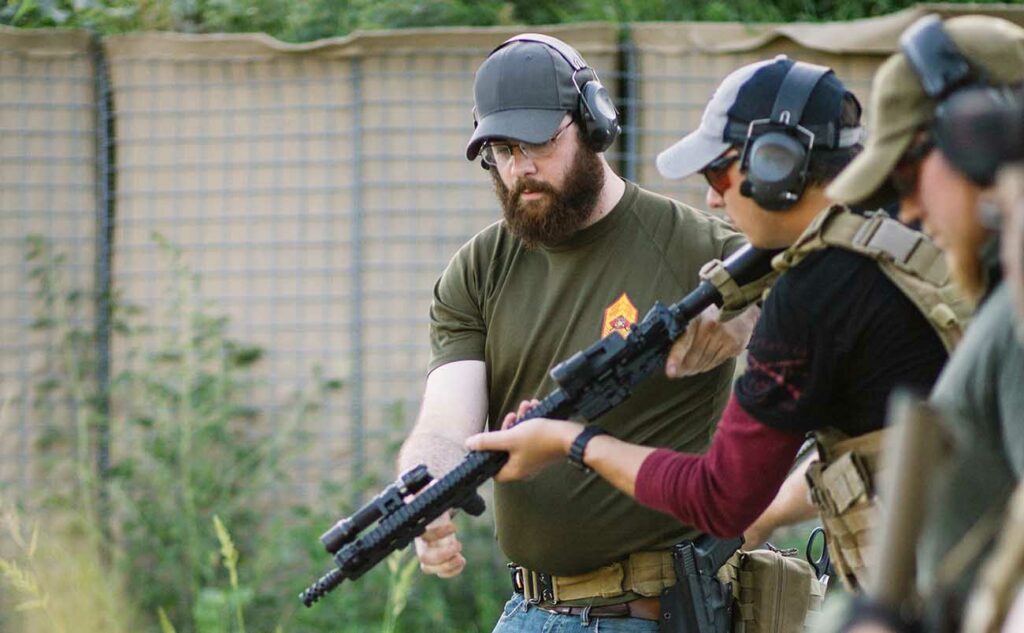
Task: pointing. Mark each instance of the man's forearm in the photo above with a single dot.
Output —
(791, 505)
(616, 461)
(454, 407)
(439, 452)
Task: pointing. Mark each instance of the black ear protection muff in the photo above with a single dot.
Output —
(960, 89)
(978, 134)
(595, 111)
(777, 150)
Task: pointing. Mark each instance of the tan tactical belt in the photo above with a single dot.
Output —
(643, 573)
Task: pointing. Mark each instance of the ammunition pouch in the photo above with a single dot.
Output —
(774, 591)
(842, 484)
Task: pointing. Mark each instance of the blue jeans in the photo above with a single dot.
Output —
(520, 617)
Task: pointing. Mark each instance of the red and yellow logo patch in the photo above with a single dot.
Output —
(619, 316)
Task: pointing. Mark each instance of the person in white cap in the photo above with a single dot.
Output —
(837, 332)
(580, 253)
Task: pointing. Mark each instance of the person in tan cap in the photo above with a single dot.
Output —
(912, 148)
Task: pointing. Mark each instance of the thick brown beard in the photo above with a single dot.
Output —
(553, 218)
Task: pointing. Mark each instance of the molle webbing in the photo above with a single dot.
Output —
(907, 257)
(735, 298)
(842, 484)
(773, 591)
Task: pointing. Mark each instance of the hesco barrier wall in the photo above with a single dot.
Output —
(318, 190)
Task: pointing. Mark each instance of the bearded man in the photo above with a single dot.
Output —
(579, 253)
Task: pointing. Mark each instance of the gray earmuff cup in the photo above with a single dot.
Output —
(600, 120)
(775, 170)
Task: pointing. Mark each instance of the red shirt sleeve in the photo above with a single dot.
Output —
(724, 490)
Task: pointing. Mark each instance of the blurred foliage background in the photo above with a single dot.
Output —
(314, 19)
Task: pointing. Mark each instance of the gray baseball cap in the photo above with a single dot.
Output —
(522, 92)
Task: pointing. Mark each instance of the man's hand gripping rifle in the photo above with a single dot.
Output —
(590, 383)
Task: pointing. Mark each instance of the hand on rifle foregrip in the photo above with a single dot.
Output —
(439, 549)
(709, 342)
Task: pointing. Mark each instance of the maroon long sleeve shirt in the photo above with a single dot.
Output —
(724, 490)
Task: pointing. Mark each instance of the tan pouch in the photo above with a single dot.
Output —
(774, 591)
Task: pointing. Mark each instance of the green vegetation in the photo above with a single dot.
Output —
(314, 19)
(195, 529)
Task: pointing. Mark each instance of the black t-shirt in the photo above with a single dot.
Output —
(834, 338)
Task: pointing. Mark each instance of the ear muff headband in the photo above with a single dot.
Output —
(595, 111)
(777, 150)
(935, 58)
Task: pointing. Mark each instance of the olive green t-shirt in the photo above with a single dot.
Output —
(523, 311)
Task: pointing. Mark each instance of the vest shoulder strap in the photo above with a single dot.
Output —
(907, 257)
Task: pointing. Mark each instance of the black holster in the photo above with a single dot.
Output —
(698, 602)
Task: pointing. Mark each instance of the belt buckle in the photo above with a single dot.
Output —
(547, 588)
(521, 577)
(535, 587)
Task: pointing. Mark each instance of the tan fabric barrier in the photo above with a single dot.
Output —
(320, 190)
(47, 188)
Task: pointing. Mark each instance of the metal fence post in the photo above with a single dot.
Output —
(631, 122)
(104, 252)
(355, 383)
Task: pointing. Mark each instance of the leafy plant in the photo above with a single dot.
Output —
(191, 453)
(315, 19)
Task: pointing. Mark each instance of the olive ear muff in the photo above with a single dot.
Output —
(777, 150)
(595, 110)
(979, 129)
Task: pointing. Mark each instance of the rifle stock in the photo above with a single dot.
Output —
(908, 462)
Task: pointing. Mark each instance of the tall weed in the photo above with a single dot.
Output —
(193, 457)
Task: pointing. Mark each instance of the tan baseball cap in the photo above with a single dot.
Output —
(899, 106)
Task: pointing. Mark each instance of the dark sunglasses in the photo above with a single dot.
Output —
(717, 172)
(905, 175)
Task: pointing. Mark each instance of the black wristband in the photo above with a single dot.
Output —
(580, 444)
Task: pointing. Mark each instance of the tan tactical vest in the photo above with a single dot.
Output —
(907, 257)
(842, 481)
(1001, 580)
